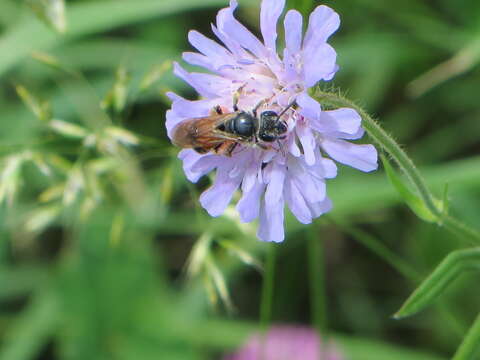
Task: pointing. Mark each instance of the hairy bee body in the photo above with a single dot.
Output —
(220, 133)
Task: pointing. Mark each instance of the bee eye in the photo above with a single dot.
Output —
(267, 137)
(221, 127)
(281, 127)
(269, 116)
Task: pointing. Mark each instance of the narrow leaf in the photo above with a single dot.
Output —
(51, 12)
(41, 109)
(435, 284)
(40, 218)
(68, 129)
(220, 283)
(32, 329)
(155, 73)
(242, 254)
(116, 98)
(470, 347)
(198, 255)
(411, 199)
(122, 135)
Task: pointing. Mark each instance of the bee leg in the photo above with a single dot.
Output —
(226, 148)
(216, 110)
(262, 146)
(260, 103)
(236, 97)
(230, 149)
(200, 150)
(254, 111)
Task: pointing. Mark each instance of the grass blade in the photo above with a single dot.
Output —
(470, 346)
(84, 19)
(453, 265)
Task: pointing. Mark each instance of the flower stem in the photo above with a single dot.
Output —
(316, 264)
(387, 143)
(267, 288)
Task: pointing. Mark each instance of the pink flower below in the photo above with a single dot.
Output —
(287, 343)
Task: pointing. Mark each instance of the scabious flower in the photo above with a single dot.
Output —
(287, 343)
(292, 171)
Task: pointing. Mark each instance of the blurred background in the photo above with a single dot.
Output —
(105, 252)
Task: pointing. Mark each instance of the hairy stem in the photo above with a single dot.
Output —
(387, 143)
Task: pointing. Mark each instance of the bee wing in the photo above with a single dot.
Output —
(202, 132)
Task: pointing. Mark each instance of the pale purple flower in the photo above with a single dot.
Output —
(287, 343)
(295, 173)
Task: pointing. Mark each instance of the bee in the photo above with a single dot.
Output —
(221, 132)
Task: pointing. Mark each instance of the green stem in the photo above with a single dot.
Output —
(267, 288)
(316, 265)
(387, 143)
(471, 343)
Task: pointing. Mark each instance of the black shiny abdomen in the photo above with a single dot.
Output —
(243, 124)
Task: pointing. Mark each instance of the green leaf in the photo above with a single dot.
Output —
(470, 347)
(10, 170)
(116, 98)
(155, 73)
(41, 109)
(411, 199)
(41, 217)
(87, 18)
(51, 12)
(32, 329)
(68, 129)
(434, 285)
(122, 135)
(242, 254)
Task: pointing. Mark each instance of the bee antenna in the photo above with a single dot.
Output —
(288, 107)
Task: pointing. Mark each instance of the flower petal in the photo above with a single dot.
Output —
(276, 178)
(227, 24)
(309, 144)
(319, 63)
(293, 31)
(269, 14)
(338, 123)
(329, 168)
(271, 222)
(296, 203)
(199, 60)
(362, 157)
(196, 165)
(207, 85)
(293, 147)
(216, 198)
(309, 107)
(249, 204)
(321, 207)
(211, 49)
(307, 179)
(322, 23)
(231, 44)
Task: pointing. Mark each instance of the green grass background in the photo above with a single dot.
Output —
(103, 276)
